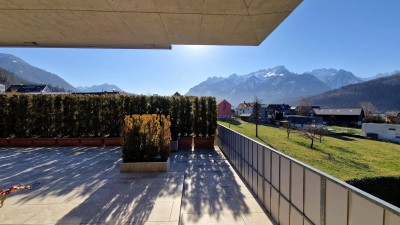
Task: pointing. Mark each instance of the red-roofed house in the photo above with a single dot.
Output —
(224, 109)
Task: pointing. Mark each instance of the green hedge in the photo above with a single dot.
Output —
(96, 116)
(385, 188)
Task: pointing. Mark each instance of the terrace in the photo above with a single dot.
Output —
(84, 185)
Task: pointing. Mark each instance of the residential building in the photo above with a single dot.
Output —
(382, 131)
(278, 111)
(344, 117)
(30, 88)
(244, 108)
(224, 109)
(2, 88)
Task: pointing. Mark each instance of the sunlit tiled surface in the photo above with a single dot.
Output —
(83, 185)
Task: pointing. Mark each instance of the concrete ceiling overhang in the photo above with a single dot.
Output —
(139, 23)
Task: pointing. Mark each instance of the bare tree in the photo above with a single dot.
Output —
(311, 133)
(289, 128)
(391, 117)
(256, 112)
(304, 107)
(322, 132)
(369, 110)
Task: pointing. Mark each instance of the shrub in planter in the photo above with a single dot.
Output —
(145, 137)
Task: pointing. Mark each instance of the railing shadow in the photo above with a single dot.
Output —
(211, 188)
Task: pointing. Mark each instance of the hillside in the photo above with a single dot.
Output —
(382, 92)
(7, 78)
(32, 74)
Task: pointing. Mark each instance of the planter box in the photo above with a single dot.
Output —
(20, 142)
(113, 141)
(204, 142)
(95, 141)
(69, 141)
(174, 146)
(42, 142)
(185, 142)
(4, 142)
(144, 167)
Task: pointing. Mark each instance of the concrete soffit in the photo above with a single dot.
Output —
(139, 23)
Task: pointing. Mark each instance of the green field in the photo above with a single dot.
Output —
(340, 156)
(348, 130)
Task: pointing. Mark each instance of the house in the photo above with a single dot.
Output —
(278, 111)
(30, 88)
(244, 108)
(2, 88)
(305, 110)
(305, 121)
(344, 117)
(224, 109)
(382, 131)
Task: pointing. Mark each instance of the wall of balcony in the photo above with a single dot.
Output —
(297, 194)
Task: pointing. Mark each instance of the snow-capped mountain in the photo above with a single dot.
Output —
(271, 85)
(336, 78)
(276, 85)
(99, 88)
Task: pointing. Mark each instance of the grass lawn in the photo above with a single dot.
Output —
(349, 130)
(342, 157)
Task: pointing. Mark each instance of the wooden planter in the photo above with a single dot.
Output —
(185, 142)
(113, 141)
(95, 141)
(4, 142)
(144, 167)
(204, 142)
(20, 142)
(69, 141)
(43, 142)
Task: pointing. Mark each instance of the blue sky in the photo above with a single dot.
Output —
(361, 36)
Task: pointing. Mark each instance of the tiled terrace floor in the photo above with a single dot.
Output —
(84, 186)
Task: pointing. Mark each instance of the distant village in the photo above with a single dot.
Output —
(303, 116)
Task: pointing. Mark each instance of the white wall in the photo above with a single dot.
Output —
(388, 132)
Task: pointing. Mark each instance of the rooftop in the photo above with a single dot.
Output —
(338, 112)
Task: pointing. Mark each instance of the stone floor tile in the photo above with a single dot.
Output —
(18, 214)
(212, 219)
(257, 219)
(51, 213)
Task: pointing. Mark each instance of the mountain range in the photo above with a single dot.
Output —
(276, 85)
(24, 73)
(381, 92)
(100, 88)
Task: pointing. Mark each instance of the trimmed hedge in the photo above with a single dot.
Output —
(385, 188)
(23, 115)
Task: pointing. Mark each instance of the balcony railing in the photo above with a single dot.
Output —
(297, 194)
